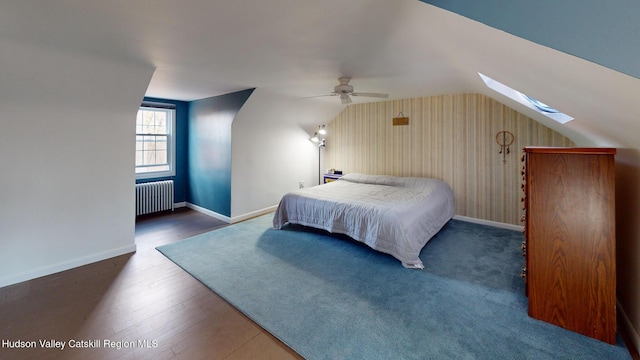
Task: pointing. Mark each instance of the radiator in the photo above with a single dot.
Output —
(154, 196)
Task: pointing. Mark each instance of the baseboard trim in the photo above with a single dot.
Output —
(489, 223)
(205, 211)
(253, 214)
(231, 220)
(243, 217)
(629, 330)
(66, 265)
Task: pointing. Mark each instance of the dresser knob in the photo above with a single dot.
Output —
(523, 273)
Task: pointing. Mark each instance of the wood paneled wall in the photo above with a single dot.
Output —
(449, 137)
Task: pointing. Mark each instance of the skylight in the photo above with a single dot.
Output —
(525, 100)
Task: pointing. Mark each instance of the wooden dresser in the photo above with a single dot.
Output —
(569, 248)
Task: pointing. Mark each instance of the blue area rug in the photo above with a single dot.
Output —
(328, 297)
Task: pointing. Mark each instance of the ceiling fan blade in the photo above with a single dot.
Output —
(316, 96)
(384, 96)
(346, 91)
(345, 99)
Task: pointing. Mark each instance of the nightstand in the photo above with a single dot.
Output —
(331, 177)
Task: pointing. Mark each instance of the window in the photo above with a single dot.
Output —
(155, 141)
(525, 100)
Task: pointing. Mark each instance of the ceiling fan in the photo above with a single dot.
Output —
(345, 91)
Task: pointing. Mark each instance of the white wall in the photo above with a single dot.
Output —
(628, 240)
(270, 148)
(67, 126)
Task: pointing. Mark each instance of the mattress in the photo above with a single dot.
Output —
(390, 214)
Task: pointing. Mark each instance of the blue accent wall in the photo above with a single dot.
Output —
(209, 158)
(604, 32)
(180, 180)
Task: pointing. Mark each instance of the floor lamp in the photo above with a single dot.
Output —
(318, 138)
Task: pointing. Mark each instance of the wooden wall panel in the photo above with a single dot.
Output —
(449, 137)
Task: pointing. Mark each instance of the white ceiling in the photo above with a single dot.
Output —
(203, 48)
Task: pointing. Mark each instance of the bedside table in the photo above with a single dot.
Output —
(331, 177)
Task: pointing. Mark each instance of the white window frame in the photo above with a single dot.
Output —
(170, 110)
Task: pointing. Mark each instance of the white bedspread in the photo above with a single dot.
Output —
(394, 215)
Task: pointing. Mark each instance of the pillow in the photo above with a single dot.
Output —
(417, 183)
(370, 179)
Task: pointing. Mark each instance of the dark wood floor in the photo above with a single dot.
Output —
(133, 298)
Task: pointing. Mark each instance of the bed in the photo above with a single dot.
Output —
(390, 214)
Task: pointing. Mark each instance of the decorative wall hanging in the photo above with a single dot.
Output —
(504, 139)
(400, 119)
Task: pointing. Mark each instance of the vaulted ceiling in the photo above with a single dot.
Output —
(407, 48)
